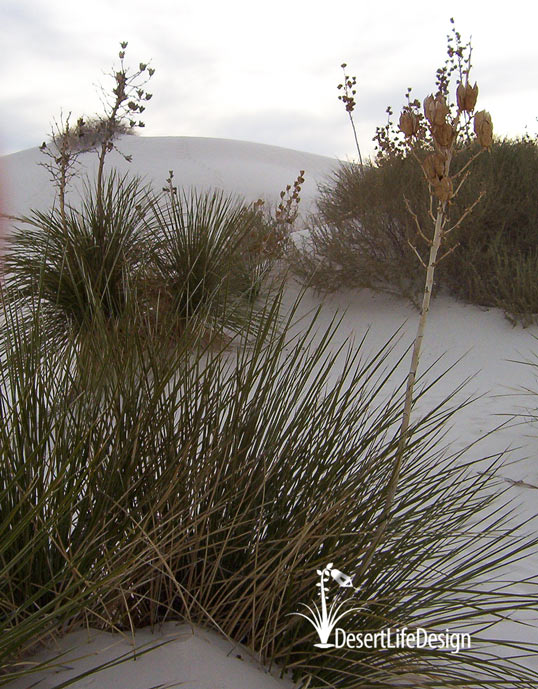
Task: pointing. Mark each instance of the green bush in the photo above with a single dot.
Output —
(496, 260)
(362, 239)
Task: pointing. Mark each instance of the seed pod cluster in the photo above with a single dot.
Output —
(286, 212)
(434, 167)
(444, 189)
(348, 97)
(436, 109)
(443, 134)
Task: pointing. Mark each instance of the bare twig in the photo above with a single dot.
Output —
(417, 223)
(447, 253)
(417, 253)
(467, 211)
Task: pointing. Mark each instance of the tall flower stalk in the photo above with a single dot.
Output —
(441, 130)
(348, 99)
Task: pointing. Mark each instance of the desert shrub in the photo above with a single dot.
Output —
(494, 263)
(209, 485)
(361, 237)
(362, 240)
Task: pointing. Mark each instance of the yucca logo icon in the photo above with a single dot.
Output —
(325, 618)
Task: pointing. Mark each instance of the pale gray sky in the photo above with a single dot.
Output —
(263, 72)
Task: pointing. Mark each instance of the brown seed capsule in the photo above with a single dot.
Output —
(443, 134)
(408, 123)
(466, 96)
(443, 189)
(483, 128)
(435, 109)
(428, 107)
(434, 167)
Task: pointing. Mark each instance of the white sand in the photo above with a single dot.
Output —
(487, 344)
(175, 655)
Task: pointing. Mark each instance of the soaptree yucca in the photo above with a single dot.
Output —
(83, 266)
(122, 108)
(209, 484)
(212, 253)
(434, 137)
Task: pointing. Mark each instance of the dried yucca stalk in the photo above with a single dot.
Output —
(441, 129)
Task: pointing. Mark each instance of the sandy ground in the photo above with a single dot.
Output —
(177, 655)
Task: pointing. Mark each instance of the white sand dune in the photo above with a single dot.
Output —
(480, 343)
(239, 167)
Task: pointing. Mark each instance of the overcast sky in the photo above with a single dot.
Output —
(263, 72)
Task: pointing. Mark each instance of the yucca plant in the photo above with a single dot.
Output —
(210, 260)
(87, 268)
(434, 140)
(66, 143)
(61, 561)
(209, 484)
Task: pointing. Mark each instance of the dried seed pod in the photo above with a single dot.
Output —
(443, 134)
(409, 123)
(483, 128)
(435, 109)
(466, 96)
(429, 107)
(443, 189)
(434, 167)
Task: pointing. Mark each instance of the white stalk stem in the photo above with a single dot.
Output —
(417, 347)
(406, 416)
